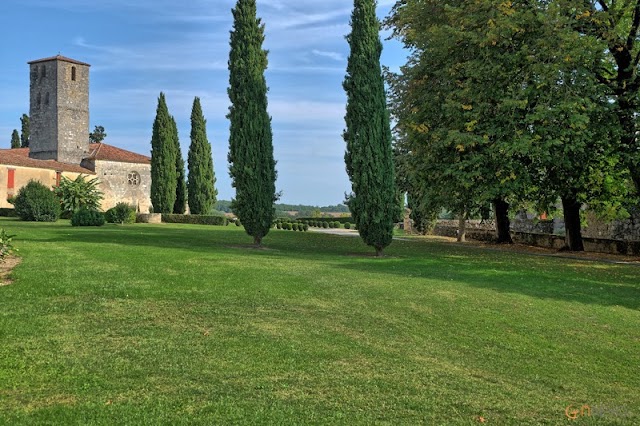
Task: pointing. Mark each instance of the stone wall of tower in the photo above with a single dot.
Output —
(59, 111)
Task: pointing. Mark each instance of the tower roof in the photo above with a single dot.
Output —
(58, 58)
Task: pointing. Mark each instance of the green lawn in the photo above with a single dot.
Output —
(185, 324)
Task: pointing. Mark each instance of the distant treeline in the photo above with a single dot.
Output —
(284, 209)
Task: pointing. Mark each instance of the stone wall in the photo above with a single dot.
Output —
(124, 182)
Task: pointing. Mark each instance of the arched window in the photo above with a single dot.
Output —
(43, 72)
(73, 73)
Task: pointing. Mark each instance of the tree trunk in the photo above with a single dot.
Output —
(379, 251)
(257, 241)
(573, 234)
(462, 228)
(503, 224)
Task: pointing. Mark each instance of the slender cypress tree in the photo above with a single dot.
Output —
(163, 160)
(26, 132)
(15, 139)
(251, 163)
(369, 157)
(201, 182)
(180, 205)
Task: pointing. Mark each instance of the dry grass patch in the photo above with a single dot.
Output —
(6, 267)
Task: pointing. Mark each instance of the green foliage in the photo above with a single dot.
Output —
(121, 213)
(325, 225)
(238, 223)
(7, 212)
(195, 219)
(6, 244)
(368, 156)
(15, 139)
(87, 217)
(347, 225)
(37, 203)
(78, 193)
(164, 179)
(25, 132)
(98, 135)
(202, 179)
(180, 205)
(251, 162)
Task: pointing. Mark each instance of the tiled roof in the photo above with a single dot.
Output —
(20, 157)
(104, 152)
(58, 58)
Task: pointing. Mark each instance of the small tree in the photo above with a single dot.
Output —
(369, 157)
(201, 182)
(251, 163)
(78, 193)
(163, 160)
(15, 139)
(24, 136)
(98, 135)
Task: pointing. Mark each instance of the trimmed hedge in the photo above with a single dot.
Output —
(327, 219)
(87, 217)
(195, 219)
(121, 213)
(8, 212)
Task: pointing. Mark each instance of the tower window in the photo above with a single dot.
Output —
(39, 100)
(46, 98)
(73, 73)
(43, 72)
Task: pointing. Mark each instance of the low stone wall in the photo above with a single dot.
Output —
(149, 218)
(556, 242)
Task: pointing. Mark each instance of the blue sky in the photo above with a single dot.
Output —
(138, 48)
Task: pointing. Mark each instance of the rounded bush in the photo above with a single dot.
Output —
(347, 225)
(121, 213)
(238, 222)
(289, 226)
(325, 224)
(305, 227)
(279, 225)
(37, 203)
(87, 217)
(295, 226)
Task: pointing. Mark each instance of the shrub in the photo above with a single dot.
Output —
(325, 224)
(347, 225)
(295, 226)
(6, 245)
(5, 212)
(288, 225)
(279, 225)
(121, 213)
(196, 219)
(305, 227)
(238, 222)
(77, 194)
(87, 217)
(37, 203)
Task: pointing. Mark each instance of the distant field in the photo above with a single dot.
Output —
(185, 324)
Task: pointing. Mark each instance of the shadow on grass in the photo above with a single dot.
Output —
(535, 276)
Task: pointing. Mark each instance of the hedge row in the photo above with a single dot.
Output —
(8, 212)
(195, 219)
(342, 220)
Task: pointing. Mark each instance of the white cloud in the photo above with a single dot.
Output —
(331, 55)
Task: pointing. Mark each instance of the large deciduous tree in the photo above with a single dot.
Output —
(251, 163)
(25, 131)
(369, 156)
(201, 183)
(163, 160)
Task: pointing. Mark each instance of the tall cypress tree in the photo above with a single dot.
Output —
(251, 163)
(163, 160)
(15, 139)
(24, 136)
(181, 187)
(201, 183)
(369, 157)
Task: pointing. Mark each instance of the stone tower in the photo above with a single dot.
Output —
(59, 110)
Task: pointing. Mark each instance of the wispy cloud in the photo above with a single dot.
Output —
(331, 55)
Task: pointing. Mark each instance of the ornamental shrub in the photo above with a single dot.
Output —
(238, 222)
(87, 217)
(305, 227)
(78, 193)
(347, 225)
(6, 245)
(121, 213)
(325, 224)
(196, 219)
(295, 226)
(279, 225)
(37, 203)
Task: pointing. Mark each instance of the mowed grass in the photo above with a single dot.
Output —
(179, 324)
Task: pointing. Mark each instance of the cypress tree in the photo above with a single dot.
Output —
(368, 157)
(201, 183)
(180, 205)
(15, 139)
(163, 160)
(24, 136)
(251, 163)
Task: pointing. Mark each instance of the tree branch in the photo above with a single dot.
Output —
(633, 32)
